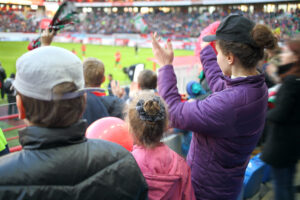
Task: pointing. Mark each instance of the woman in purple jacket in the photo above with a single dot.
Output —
(228, 123)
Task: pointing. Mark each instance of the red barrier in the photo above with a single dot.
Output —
(12, 138)
(16, 148)
(9, 117)
(15, 127)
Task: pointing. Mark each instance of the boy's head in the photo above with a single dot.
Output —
(147, 118)
(110, 77)
(147, 80)
(48, 81)
(93, 72)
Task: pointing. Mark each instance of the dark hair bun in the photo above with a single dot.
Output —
(151, 107)
(264, 37)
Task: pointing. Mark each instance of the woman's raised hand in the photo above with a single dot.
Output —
(163, 56)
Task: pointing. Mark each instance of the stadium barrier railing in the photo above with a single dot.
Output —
(13, 125)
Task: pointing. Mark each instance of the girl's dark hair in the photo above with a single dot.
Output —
(56, 113)
(147, 132)
(247, 54)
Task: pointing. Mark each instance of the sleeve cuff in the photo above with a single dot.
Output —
(166, 67)
(207, 50)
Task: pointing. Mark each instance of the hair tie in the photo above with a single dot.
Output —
(160, 115)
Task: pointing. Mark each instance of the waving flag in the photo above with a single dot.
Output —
(66, 15)
(140, 23)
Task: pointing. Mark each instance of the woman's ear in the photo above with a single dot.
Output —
(21, 109)
(230, 58)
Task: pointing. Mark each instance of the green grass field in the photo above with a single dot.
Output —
(10, 51)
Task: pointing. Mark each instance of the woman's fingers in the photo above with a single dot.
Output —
(169, 45)
(155, 43)
(164, 56)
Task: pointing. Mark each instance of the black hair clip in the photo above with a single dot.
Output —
(147, 117)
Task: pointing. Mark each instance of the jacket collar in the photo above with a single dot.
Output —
(256, 81)
(33, 137)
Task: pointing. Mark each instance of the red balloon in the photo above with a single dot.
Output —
(111, 129)
(209, 30)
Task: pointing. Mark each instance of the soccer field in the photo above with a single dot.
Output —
(10, 51)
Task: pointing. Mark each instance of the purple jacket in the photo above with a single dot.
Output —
(226, 125)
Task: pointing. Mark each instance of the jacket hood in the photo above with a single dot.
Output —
(160, 167)
(33, 137)
(162, 186)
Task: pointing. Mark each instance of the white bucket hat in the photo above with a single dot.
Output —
(39, 70)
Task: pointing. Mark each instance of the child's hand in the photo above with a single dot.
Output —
(116, 89)
(162, 56)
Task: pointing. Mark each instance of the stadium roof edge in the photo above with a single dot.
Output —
(135, 4)
(216, 2)
(176, 3)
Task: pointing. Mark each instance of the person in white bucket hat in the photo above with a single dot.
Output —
(57, 161)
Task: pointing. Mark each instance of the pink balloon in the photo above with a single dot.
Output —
(209, 30)
(111, 129)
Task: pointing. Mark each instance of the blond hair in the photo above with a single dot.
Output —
(147, 118)
(93, 70)
(147, 79)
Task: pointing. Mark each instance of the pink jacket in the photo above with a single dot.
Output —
(167, 174)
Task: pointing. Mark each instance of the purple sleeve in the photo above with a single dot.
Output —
(213, 73)
(211, 116)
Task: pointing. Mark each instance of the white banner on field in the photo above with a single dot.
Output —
(97, 39)
(17, 36)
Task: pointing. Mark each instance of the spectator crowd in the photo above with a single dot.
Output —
(59, 162)
(179, 23)
(16, 22)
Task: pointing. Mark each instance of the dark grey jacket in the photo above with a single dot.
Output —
(283, 126)
(60, 163)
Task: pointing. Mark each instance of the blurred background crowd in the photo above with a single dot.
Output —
(179, 23)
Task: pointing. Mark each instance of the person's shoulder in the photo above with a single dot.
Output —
(108, 153)
(111, 100)
(92, 98)
(108, 98)
(108, 148)
(10, 158)
(290, 83)
(9, 165)
(292, 80)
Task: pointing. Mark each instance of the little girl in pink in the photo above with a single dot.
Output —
(167, 174)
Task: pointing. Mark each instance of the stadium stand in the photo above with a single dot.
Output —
(180, 23)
